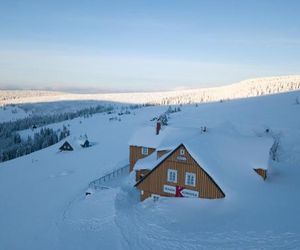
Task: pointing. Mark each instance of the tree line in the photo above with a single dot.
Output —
(12, 145)
(37, 120)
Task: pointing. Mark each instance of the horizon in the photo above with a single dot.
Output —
(95, 90)
(142, 46)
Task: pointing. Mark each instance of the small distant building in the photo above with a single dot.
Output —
(66, 147)
(262, 172)
(83, 141)
(85, 144)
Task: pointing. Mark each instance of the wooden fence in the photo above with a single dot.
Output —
(100, 182)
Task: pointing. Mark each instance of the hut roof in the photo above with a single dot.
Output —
(66, 146)
(150, 161)
(167, 138)
(82, 139)
(84, 143)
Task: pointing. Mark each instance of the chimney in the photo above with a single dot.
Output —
(158, 127)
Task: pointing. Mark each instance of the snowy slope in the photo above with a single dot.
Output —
(43, 206)
(247, 88)
(20, 96)
(12, 113)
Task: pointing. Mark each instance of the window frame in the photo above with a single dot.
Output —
(182, 151)
(146, 152)
(187, 174)
(170, 170)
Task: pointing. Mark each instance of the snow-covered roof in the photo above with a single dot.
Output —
(82, 139)
(147, 137)
(176, 136)
(224, 156)
(168, 137)
(150, 161)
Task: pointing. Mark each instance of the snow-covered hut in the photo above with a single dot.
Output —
(83, 141)
(66, 147)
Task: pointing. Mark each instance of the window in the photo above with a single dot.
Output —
(190, 179)
(144, 151)
(172, 175)
(182, 151)
(155, 197)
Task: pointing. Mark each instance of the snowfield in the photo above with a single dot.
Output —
(43, 203)
(12, 113)
(247, 88)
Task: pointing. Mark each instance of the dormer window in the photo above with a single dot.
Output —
(144, 151)
(182, 151)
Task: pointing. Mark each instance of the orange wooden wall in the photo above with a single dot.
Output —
(261, 172)
(135, 153)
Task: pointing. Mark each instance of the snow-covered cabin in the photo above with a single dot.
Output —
(85, 144)
(83, 141)
(66, 147)
(185, 162)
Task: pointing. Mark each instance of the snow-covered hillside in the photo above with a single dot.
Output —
(12, 113)
(247, 88)
(43, 203)
(20, 96)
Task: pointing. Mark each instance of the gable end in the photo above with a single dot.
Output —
(195, 162)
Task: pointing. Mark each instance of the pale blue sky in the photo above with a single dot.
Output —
(146, 45)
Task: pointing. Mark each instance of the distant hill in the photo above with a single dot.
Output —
(243, 89)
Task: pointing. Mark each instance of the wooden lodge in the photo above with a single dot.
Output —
(175, 162)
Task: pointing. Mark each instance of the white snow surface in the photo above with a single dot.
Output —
(168, 137)
(12, 113)
(146, 137)
(43, 203)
